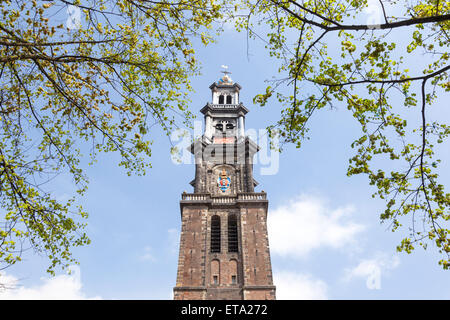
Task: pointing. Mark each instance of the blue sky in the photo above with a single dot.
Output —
(324, 231)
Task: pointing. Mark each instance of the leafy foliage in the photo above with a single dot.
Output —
(357, 53)
(92, 74)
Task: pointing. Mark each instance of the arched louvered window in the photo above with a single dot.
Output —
(232, 234)
(228, 99)
(215, 234)
(221, 99)
(219, 128)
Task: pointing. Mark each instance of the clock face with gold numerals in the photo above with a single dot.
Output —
(224, 181)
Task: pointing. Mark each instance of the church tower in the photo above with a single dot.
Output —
(224, 248)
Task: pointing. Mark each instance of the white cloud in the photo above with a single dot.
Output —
(147, 255)
(61, 287)
(371, 269)
(306, 223)
(296, 286)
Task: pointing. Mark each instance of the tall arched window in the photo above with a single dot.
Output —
(232, 233)
(215, 234)
(228, 99)
(221, 99)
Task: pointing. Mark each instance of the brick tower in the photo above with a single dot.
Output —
(224, 248)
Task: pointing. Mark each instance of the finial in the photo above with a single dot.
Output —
(225, 79)
(226, 69)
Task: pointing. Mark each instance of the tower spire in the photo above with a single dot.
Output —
(224, 248)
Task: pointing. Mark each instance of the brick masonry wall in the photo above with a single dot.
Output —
(230, 263)
(191, 260)
(195, 279)
(195, 270)
(258, 294)
(256, 253)
(186, 294)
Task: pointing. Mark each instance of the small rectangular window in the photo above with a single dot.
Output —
(215, 280)
(233, 279)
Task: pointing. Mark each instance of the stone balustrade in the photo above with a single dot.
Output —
(224, 106)
(252, 196)
(195, 196)
(231, 199)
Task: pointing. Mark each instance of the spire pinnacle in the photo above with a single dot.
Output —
(226, 78)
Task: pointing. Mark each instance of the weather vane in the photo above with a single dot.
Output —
(226, 72)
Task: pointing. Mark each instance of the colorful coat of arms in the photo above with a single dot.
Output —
(224, 181)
